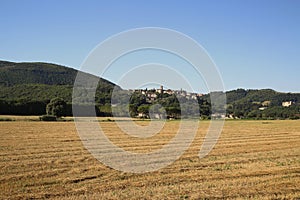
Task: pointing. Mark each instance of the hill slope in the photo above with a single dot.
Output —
(12, 73)
(264, 103)
(24, 85)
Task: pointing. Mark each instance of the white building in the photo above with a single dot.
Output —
(287, 103)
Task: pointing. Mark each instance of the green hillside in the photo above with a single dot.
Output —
(25, 84)
(261, 104)
(12, 73)
(26, 89)
(275, 98)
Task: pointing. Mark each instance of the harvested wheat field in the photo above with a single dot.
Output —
(252, 159)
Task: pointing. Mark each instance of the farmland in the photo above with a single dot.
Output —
(252, 159)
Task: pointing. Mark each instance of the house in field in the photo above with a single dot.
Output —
(287, 103)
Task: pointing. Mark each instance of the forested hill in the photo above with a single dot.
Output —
(264, 103)
(12, 73)
(27, 87)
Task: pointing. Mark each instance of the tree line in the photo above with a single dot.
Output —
(242, 104)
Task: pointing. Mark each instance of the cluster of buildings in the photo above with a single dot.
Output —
(153, 94)
(283, 104)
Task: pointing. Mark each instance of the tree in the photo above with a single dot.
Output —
(144, 110)
(173, 112)
(56, 107)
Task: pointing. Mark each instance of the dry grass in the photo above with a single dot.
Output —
(253, 159)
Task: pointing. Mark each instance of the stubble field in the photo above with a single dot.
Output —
(252, 159)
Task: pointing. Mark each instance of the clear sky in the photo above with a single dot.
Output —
(254, 43)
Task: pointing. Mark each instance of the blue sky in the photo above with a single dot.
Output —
(255, 44)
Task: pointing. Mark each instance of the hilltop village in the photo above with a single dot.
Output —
(154, 94)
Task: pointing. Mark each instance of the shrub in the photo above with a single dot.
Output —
(6, 119)
(56, 107)
(48, 118)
